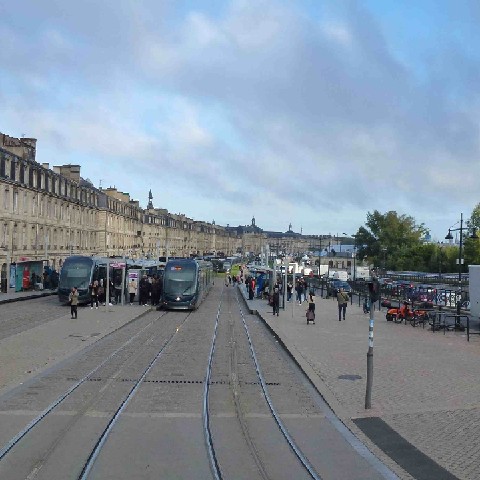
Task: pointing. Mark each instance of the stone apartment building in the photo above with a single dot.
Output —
(49, 213)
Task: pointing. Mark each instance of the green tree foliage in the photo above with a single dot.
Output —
(471, 252)
(475, 217)
(392, 239)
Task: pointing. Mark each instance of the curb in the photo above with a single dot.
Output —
(28, 297)
(329, 397)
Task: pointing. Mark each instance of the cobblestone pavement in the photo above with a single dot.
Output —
(19, 316)
(425, 384)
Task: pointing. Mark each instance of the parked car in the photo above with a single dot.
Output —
(334, 285)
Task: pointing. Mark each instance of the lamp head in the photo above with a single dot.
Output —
(474, 233)
(449, 236)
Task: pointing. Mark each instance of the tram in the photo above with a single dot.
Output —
(80, 271)
(186, 282)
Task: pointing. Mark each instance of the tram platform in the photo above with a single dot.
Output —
(13, 296)
(425, 408)
(28, 353)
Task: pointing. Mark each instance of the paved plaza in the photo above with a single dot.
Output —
(425, 385)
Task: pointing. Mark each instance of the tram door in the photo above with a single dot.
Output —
(3, 276)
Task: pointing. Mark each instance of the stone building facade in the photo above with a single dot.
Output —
(51, 213)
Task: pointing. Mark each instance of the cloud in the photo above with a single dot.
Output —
(256, 105)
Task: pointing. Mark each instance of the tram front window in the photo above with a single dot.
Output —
(180, 280)
(76, 273)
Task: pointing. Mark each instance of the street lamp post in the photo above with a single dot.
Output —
(440, 253)
(460, 259)
(319, 256)
(384, 250)
(355, 260)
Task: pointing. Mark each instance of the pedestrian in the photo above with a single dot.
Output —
(305, 288)
(143, 287)
(94, 294)
(111, 292)
(155, 290)
(300, 291)
(311, 304)
(289, 290)
(148, 292)
(342, 299)
(118, 294)
(251, 288)
(73, 300)
(226, 279)
(132, 289)
(276, 300)
(101, 291)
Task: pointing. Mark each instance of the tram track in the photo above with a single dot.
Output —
(138, 344)
(142, 405)
(234, 384)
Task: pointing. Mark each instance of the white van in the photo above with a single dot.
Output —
(340, 275)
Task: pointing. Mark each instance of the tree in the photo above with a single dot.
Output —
(393, 238)
(474, 221)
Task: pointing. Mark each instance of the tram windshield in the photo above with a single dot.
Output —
(76, 273)
(180, 280)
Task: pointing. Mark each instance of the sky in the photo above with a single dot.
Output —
(307, 112)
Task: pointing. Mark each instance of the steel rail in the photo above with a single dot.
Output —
(103, 437)
(303, 460)
(206, 415)
(62, 397)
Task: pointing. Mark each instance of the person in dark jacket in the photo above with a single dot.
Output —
(143, 291)
(93, 287)
(276, 300)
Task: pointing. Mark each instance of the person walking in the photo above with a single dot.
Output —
(94, 294)
(73, 299)
(311, 305)
(289, 290)
(143, 291)
(132, 289)
(276, 300)
(155, 290)
(299, 291)
(251, 288)
(342, 299)
(118, 294)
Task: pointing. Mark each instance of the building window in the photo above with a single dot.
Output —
(6, 194)
(12, 169)
(15, 200)
(4, 235)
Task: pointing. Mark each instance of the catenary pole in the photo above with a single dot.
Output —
(107, 286)
(124, 271)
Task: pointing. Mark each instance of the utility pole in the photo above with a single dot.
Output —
(373, 288)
